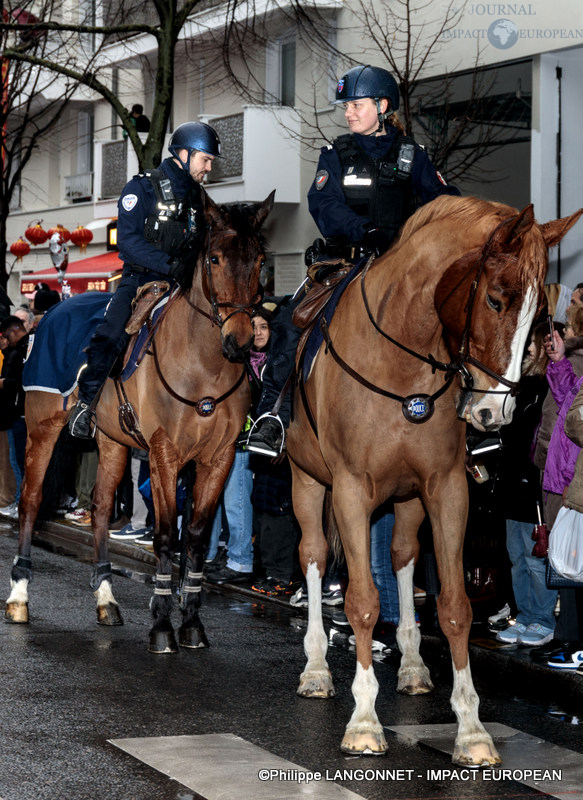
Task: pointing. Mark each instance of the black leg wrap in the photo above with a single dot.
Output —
(162, 638)
(101, 572)
(21, 569)
(191, 633)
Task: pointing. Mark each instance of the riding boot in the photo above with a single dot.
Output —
(267, 438)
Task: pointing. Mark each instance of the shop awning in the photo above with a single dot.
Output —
(95, 274)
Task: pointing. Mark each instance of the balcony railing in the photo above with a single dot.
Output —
(79, 187)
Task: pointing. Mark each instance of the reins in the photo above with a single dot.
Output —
(420, 407)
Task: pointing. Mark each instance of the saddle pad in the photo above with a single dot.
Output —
(62, 336)
(140, 340)
(315, 338)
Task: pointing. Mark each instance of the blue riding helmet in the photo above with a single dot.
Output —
(368, 81)
(195, 136)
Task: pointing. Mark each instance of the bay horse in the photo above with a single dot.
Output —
(191, 399)
(433, 330)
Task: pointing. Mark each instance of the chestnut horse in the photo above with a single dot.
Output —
(454, 298)
(190, 398)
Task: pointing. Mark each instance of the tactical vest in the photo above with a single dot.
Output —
(173, 225)
(379, 189)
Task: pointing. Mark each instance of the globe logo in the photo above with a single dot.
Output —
(503, 34)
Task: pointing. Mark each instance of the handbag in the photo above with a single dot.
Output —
(566, 545)
(556, 581)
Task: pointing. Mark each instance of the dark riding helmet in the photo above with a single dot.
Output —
(368, 81)
(195, 136)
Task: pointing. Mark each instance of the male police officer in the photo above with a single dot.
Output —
(160, 229)
(367, 184)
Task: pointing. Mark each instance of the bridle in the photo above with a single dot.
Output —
(457, 366)
(215, 316)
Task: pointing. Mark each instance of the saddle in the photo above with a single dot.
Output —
(323, 278)
(146, 298)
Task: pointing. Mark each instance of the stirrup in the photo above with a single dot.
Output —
(77, 411)
(274, 417)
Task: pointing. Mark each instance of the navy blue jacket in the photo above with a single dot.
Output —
(328, 204)
(137, 202)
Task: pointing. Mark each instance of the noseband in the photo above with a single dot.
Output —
(215, 316)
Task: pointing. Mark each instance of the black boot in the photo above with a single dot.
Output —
(82, 421)
(267, 437)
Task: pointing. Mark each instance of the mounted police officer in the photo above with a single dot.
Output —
(160, 230)
(367, 184)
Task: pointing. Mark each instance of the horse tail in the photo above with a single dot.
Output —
(332, 532)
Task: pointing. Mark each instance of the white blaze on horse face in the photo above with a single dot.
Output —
(494, 410)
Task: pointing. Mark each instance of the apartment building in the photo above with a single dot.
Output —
(273, 123)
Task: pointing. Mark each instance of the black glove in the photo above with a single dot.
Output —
(376, 240)
(176, 270)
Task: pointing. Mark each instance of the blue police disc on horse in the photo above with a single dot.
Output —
(206, 406)
(418, 408)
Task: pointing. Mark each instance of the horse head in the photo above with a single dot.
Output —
(486, 302)
(232, 260)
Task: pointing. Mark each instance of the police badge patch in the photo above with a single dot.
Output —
(418, 408)
(129, 201)
(322, 179)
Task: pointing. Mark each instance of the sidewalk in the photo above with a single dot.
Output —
(509, 665)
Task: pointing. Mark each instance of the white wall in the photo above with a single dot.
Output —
(545, 124)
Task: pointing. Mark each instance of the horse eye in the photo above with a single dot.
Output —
(214, 259)
(494, 304)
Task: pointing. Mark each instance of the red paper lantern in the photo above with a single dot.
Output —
(36, 234)
(65, 235)
(81, 236)
(20, 249)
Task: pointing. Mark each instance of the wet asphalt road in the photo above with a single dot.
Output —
(68, 686)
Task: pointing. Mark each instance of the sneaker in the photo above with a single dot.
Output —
(511, 634)
(10, 511)
(147, 540)
(340, 621)
(84, 521)
(384, 637)
(566, 659)
(76, 514)
(535, 635)
(82, 421)
(119, 524)
(267, 436)
(129, 533)
(500, 616)
(227, 575)
(579, 670)
(272, 587)
(541, 655)
(332, 596)
(300, 598)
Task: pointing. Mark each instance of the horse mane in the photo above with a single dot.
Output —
(469, 211)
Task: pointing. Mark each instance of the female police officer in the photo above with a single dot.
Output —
(367, 184)
(160, 227)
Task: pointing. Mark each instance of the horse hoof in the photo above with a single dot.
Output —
(162, 642)
(364, 741)
(16, 612)
(192, 638)
(414, 681)
(316, 684)
(476, 754)
(109, 614)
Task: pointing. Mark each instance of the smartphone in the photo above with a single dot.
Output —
(551, 331)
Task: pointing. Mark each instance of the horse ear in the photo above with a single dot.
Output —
(513, 227)
(263, 210)
(210, 208)
(554, 231)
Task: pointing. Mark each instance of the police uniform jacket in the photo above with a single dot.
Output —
(137, 202)
(326, 199)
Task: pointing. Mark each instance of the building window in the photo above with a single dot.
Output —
(280, 71)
